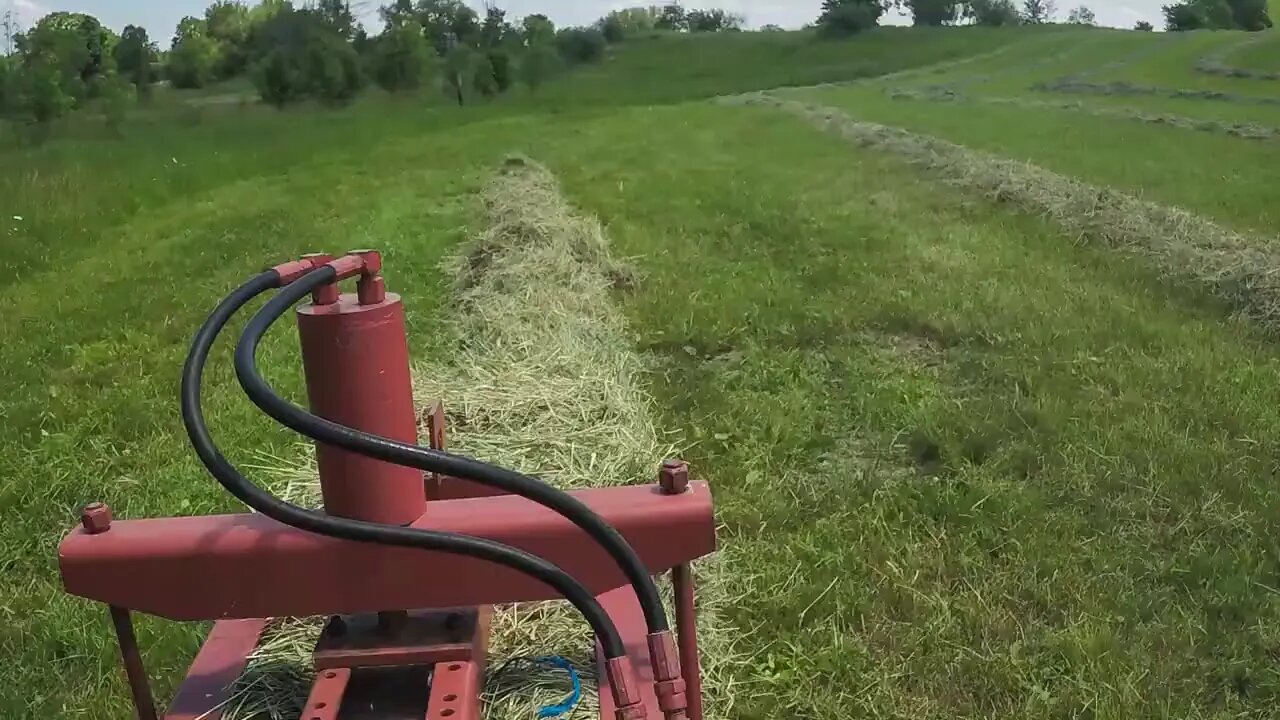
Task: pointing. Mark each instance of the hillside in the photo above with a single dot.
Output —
(976, 343)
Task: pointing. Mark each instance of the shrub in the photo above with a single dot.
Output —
(460, 67)
(1143, 26)
(613, 30)
(321, 65)
(538, 64)
(500, 65)
(192, 62)
(992, 13)
(842, 18)
(40, 93)
(581, 45)
(402, 59)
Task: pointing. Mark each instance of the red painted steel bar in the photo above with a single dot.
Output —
(673, 478)
(220, 661)
(687, 631)
(139, 688)
(212, 567)
(325, 700)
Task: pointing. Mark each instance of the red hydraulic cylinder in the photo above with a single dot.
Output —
(356, 361)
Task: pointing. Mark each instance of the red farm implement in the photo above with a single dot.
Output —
(413, 549)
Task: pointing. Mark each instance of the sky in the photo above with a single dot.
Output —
(160, 17)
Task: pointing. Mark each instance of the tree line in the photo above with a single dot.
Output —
(847, 17)
(318, 51)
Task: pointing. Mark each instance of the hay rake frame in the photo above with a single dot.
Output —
(408, 629)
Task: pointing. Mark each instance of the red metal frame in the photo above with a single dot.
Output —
(237, 569)
(232, 566)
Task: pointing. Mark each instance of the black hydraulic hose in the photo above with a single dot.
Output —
(342, 528)
(428, 459)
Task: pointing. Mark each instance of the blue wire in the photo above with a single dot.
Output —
(568, 704)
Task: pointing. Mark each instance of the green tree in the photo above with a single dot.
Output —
(76, 44)
(1081, 16)
(842, 18)
(538, 64)
(933, 12)
(1250, 15)
(460, 71)
(135, 54)
(713, 21)
(500, 67)
(1143, 26)
(228, 24)
(402, 58)
(1036, 12)
(41, 95)
(308, 59)
(117, 94)
(398, 13)
(992, 13)
(538, 30)
(612, 28)
(447, 23)
(672, 17)
(1216, 15)
(337, 15)
(581, 45)
(495, 30)
(633, 21)
(189, 27)
(1184, 16)
(193, 62)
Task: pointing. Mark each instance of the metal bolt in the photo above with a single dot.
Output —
(674, 476)
(96, 518)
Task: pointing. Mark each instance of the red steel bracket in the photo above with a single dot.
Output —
(241, 566)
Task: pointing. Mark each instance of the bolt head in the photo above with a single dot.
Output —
(674, 477)
(96, 518)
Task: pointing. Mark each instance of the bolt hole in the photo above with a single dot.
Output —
(455, 666)
(450, 697)
(331, 674)
(446, 712)
(321, 706)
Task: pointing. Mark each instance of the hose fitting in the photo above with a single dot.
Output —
(626, 693)
(668, 681)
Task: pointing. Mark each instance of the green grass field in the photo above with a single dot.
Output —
(968, 464)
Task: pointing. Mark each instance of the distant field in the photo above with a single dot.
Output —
(970, 463)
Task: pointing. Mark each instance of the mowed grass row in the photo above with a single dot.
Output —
(968, 469)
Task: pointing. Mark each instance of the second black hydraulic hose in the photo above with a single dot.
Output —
(427, 459)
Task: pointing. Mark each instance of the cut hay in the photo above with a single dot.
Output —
(1216, 63)
(1073, 86)
(1237, 268)
(543, 378)
(1245, 130)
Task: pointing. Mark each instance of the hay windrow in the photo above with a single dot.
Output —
(1216, 63)
(1239, 269)
(544, 379)
(1244, 130)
